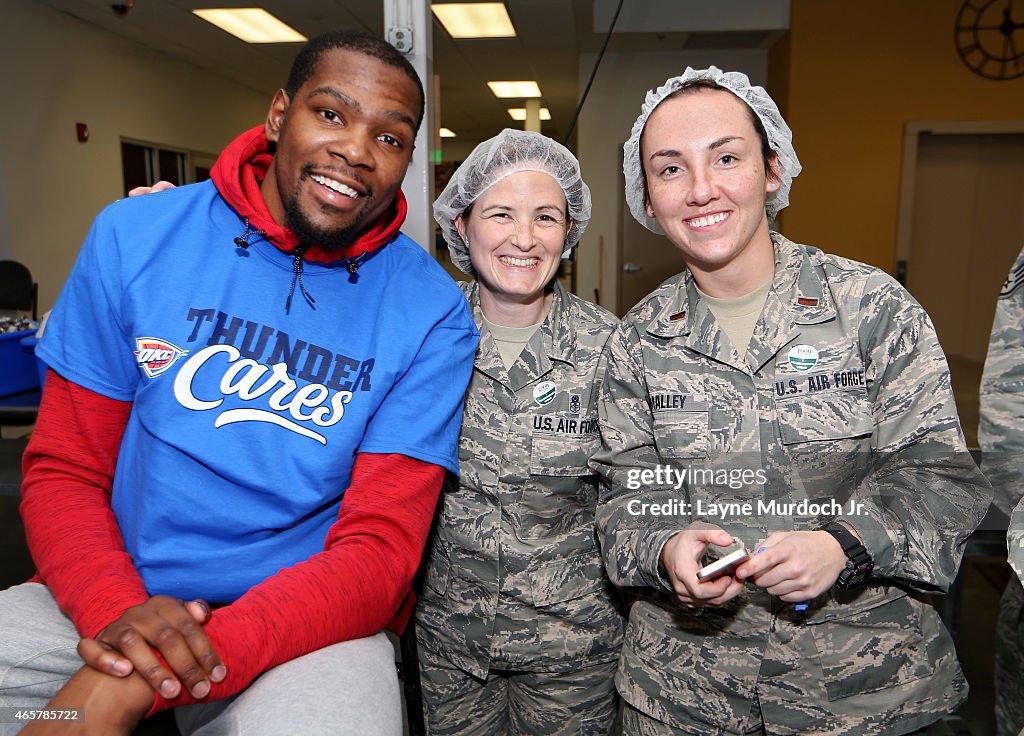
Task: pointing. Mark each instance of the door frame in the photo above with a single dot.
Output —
(912, 131)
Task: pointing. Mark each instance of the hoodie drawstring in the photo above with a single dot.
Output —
(297, 276)
(242, 241)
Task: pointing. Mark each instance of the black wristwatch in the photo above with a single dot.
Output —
(858, 559)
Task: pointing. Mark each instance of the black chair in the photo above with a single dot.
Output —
(17, 289)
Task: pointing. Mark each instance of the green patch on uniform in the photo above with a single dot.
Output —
(544, 393)
(803, 357)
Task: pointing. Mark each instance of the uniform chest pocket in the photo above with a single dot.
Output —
(562, 455)
(560, 496)
(681, 434)
(836, 416)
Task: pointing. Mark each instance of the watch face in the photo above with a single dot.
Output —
(990, 37)
(853, 574)
(848, 575)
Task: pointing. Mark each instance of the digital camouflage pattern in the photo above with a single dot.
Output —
(843, 393)
(581, 702)
(515, 579)
(1001, 430)
(1001, 436)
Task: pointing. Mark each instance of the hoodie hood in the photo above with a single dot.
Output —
(238, 173)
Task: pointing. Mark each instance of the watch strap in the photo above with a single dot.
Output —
(858, 560)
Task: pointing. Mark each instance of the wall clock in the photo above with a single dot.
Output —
(990, 37)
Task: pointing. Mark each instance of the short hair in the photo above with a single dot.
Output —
(363, 43)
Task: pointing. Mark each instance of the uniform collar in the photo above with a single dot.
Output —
(554, 341)
(797, 297)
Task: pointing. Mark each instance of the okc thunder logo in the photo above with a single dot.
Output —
(156, 355)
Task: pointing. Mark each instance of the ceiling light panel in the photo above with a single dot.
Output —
(519, 113)
(446, 133)
(474, 20)
(521, 90)
(252, 25)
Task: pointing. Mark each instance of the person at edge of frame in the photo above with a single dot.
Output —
(794, 377)
(517, 626)
(1001, 437)
(255, 391)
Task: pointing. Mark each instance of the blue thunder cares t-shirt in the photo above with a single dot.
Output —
(246, 418)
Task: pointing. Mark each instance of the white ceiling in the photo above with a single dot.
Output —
(551, 36)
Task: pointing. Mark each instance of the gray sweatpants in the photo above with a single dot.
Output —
(347, 688)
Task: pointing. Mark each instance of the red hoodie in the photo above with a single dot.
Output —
(356, 586)
(240, 170)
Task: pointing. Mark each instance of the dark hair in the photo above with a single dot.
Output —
(308, 58)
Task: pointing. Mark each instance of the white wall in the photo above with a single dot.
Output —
(56, 71)
(613, 105)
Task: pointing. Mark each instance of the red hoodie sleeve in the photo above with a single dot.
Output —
(68, 471)
(352, 589)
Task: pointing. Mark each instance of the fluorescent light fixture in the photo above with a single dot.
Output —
(252, 25)
(446, 133)
(519, 113)
(522, 90)
(474, 20)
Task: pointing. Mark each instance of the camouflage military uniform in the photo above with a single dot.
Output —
(515, 581)
(843, 392)
(1001, 436)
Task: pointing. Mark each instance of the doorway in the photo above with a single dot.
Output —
(961, 227)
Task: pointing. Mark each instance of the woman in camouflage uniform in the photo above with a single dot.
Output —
(517, 628)
(799, 401)
(1001, 437)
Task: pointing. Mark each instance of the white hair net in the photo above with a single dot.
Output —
(780, 138)
(510, 152)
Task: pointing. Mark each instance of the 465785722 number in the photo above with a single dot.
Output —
(21, 715)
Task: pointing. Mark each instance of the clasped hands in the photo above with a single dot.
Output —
(172, 627)
(123, 668)
(795, 566)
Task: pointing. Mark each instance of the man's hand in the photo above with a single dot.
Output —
(171, 627)
(110, 706)
(160, 186)
(680, 559)
(796, 566)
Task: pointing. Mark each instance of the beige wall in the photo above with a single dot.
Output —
(857, 74)
(56, 71)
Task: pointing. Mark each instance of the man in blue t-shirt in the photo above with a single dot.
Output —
(255, 391)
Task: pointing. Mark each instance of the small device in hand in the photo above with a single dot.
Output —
(728, 559)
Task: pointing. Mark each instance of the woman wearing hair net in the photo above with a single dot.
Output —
(517, 626)
(799, 402)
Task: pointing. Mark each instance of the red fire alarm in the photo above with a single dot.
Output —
(83, 132)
